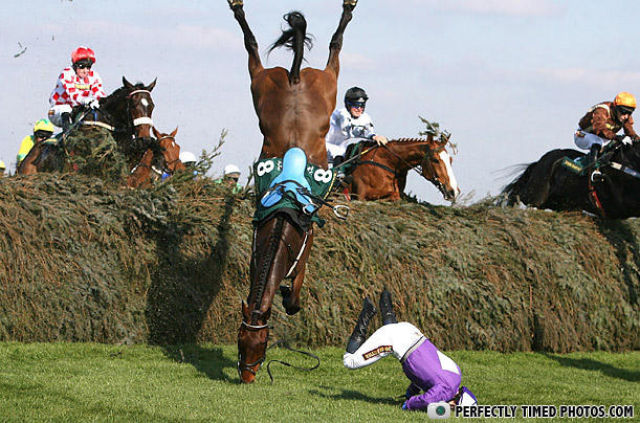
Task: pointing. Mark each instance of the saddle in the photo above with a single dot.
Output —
(294, 186)
(291, 182)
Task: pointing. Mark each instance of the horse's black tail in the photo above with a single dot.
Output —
(294, 38)
(514, 191)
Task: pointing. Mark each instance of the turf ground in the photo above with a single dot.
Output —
(94, 382)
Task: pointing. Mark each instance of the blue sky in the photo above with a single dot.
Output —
(509, 79)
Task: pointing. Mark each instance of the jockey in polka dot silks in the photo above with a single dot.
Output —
(77, 85)
(434, 376)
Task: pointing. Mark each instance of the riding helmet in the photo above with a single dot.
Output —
(43, 125)
(355, 95)
(188, 157)
(625, 99)
(231, 169)
(83, 53)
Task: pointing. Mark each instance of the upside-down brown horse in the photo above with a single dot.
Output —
(293, 109)
(161, 157)
(380, 173)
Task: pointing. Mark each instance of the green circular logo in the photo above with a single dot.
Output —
(440, 410)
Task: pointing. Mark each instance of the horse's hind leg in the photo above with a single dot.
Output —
(250, 43)
(291, 295)
(336, 40)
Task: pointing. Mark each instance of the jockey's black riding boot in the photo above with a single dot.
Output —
(593, 154)
(66, 121)
(359, 333)
(337, 161)
(386, 308)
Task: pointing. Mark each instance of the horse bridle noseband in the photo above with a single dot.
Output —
(248, 366)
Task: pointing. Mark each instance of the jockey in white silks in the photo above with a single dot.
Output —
(77, 85)
(350, 125)
(434, 376)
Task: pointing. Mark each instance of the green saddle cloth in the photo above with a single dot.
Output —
(266, 170)
(577, 165)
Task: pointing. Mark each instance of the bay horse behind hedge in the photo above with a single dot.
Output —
(293, 108)
(380, 173)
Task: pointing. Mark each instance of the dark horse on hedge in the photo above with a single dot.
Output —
(293, 109)
(609, 189)
(380, 172)
(126, 113)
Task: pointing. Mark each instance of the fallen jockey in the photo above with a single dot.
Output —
(430, 371)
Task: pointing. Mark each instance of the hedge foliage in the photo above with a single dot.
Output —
(81, 260)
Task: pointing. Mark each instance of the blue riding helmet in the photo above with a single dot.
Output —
(294, 165)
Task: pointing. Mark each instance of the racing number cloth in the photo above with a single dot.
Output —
(266, 170)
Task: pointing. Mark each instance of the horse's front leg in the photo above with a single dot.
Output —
(250, 43)
(336, 41)
(291, 296)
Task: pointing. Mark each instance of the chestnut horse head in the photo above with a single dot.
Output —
(160, 156)
(436, 168)
(381, 172)
(293, 108)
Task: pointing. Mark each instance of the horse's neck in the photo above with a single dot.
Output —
(408, 153)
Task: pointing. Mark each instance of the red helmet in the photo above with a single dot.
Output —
(83, 53)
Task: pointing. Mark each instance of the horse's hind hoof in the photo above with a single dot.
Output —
(351, 3)
(234, 4)
(291, 309)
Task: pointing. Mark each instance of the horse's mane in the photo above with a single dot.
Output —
(120, 93)
(409, 140)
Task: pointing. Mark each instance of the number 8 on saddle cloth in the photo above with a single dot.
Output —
(291, 182)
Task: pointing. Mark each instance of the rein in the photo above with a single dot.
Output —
(284, 344)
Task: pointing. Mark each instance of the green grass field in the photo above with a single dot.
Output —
(93, 382)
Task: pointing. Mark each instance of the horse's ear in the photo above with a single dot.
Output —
(150, 86)
(126, 83)
(175, 131)
(245, 311)
(155, 132)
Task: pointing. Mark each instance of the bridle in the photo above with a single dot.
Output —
(133, 123)
(248, 366)
(144, 120)
(168, 164)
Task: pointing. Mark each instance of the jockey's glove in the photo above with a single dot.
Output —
(626, 141)
(380, 139)
(95, 104)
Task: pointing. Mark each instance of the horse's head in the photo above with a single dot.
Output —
(253, 336)
(170, 151)
(436, 167)
(140, 107)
